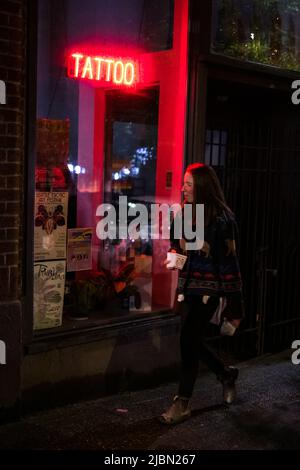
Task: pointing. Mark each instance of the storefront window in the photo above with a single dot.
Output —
(265, 31)
(111, 90)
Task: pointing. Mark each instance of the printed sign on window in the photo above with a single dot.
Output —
(49, 286)
(50, 225)
(79, 249)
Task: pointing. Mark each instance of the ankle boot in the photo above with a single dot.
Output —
(177, 412)
(228, 379)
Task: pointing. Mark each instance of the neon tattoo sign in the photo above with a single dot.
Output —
(102, 69)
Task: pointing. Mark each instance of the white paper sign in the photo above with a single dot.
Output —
(79, 249)
(49, 287)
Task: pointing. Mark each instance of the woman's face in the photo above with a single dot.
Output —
(188, 187)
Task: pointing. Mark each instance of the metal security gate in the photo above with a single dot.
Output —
(253, 142)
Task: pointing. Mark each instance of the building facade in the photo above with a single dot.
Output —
(104, 106)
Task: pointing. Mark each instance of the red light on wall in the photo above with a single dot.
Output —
(102, 69)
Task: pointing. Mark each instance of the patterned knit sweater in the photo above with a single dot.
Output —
(214, 270)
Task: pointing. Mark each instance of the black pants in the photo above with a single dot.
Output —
(193, 344)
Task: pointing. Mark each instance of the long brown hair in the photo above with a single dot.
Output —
(208, 191)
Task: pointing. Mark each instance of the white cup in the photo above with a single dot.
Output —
(175, 260)
(227, 328)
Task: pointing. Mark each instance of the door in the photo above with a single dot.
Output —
(131, 127)
(253, 142)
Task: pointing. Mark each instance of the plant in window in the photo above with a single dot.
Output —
(124, 287)
(91, 294)
(259, 30)
(252, 50)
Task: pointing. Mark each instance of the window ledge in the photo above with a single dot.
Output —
(46, 341)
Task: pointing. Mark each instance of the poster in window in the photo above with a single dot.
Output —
(50, 225)
(79, 249)
(48, 299)
(53, 142)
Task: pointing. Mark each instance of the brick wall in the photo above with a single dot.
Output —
(12, 117)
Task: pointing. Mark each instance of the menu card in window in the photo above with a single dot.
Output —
(79, 249)
(50, 225)
(48, 297)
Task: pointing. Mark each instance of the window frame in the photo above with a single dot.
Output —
(42, 340)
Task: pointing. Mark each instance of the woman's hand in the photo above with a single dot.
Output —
(166, 261)
(234, 309)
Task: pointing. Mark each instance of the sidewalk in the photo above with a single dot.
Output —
(266, 416)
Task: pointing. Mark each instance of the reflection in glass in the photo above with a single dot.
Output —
(131, 147)
(266, 31)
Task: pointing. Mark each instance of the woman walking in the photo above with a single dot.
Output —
(210, 280)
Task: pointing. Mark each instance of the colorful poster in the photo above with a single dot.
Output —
(49, 287)
(50, 225)
(53, 142)
(79, 249)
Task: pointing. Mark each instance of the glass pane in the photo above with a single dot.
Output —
(224, 137)
(215, 155)
(156, 32)
(208, 136)
(207, 154)
(222, 155)
(131, 173)
(144, 25)
(97, 144)
(266, 31)
(216, 137)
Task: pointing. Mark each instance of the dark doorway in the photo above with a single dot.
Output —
(253, 141)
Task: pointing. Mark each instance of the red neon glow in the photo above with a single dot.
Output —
(102, 69)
